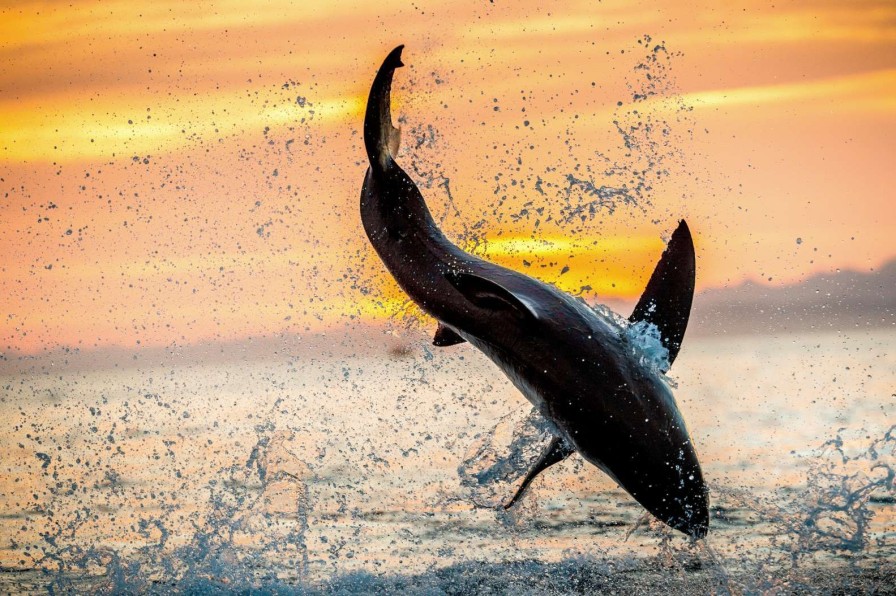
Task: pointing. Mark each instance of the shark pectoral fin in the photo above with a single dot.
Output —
(445, 336)
(666, 301)
(486, 293)
(556, 451)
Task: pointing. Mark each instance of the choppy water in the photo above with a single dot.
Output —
(310, 472)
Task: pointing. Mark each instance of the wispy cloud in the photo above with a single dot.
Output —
(846, 22)
(27, 24)
(867, 91)
(79, 131)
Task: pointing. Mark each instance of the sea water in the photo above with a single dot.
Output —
(385, 471)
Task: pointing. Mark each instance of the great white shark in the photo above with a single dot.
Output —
(577, 367)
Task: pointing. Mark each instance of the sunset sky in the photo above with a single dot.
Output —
(174, 173)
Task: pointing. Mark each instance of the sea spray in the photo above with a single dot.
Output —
(501, 458)
(253, 522)
(646, 342)
(547, 178)
(251, 532)
(816, 537)
(826, 522)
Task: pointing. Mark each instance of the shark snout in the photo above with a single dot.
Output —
(678, 497)
(690, 512)
(666, 472)
(658, 466)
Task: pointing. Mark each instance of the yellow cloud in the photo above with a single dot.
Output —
(867, 90)
(819, 24)
(70, 129)
(34, 23)
(607, 266)
(588, 20)
(560, 247)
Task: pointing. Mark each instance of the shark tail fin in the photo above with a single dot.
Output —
(381, 137)
(666, 301)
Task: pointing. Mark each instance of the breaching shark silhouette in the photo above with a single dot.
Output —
(577, 367)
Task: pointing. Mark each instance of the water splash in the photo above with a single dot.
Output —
(828, 520)
(814, 539)
(277, 517)
(251, 531)
(496, 463)
(643, 338)
(647, 346)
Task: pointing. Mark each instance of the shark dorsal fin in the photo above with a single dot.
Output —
(666, 301)
(489, 294)
(445, 336)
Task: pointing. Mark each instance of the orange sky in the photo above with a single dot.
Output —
(172, 174)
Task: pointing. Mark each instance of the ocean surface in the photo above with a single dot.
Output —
(383, 469)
